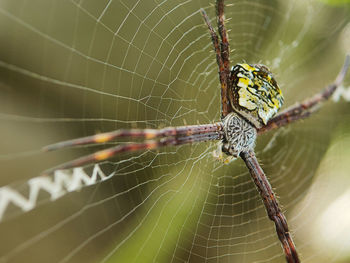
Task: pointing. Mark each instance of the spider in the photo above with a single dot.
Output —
(250, 99)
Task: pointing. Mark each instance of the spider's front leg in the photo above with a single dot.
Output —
(224, 45)
(222, 55)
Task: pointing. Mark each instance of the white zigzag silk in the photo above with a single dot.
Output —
(57, 186)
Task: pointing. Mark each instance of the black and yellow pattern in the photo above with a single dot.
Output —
(254, 93)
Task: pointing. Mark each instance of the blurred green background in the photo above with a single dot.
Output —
(75, 68)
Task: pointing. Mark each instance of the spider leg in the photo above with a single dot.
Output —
(137, 133)
(307, 107)
(147, 145)
(225, 49)
(223, 76)
(271, 205)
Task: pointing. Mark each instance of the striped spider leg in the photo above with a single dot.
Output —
(154, 138)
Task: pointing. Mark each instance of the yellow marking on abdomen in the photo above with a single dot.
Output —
(243, 82)
(248, 67)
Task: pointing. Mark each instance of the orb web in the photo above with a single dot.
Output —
(75, 68)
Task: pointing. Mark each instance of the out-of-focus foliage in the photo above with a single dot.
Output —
(336, 2)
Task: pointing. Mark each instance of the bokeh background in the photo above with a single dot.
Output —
(75, 68)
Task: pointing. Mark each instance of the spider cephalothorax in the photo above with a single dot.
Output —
(240, 135)
(254, 93)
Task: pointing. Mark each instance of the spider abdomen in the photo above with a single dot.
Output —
(254, 93)
(240, 135)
